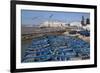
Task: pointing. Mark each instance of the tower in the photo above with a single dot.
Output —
(87, 21)
(83, 21)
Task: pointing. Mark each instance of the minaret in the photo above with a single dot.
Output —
(82, 21)
(87, 21)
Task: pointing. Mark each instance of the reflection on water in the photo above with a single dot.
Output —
(54, 48)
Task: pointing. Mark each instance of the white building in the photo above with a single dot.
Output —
(76, 24)
(79, 26)
(87, 27)
(53, 24)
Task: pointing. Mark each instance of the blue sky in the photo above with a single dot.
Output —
(33, 17)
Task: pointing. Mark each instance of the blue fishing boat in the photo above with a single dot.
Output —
(56, 48)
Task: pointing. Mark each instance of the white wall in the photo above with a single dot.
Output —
(5, 36)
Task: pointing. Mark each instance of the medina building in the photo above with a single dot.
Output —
(53, 24)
